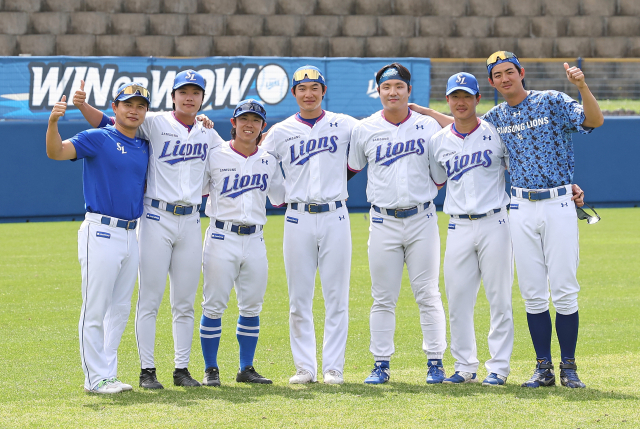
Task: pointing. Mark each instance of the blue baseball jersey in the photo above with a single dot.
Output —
(537, 133)
(114, 171)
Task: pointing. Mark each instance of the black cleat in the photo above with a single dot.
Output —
(148, 379)
(249, 375)
(569, 376)
(211, 377)
(181, 377)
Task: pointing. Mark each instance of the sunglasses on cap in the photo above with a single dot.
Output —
(248, 108)
(134, 90)
(590, 218)
(309, 73)
(500, 55)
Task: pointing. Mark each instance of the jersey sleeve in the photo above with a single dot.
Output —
(573, 112)
(357, 159)
(437, 171)
(214, 139)
(206, 178)
(106, 120)
(269, 143)
(87, 144)
(276, 190)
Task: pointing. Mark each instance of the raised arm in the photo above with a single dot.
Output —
(56, 148)
(592, 114)
(90, 113)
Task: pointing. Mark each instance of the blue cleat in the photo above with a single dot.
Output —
(542, 376)
(436, 374)
(494, 379)
(379, 375)
(569, 376)
(461, 377)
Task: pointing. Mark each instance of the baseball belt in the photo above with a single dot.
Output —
(239, 229)
(119, 223)
(544, 194)
(174, 208)
(402, 213)
(315, 208)
(476, 216)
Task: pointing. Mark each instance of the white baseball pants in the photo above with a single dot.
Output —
(392, 243)
(545, 243)
(232, 260)
(315, 242)
(169, 244)
(108, 259)
(480, 249)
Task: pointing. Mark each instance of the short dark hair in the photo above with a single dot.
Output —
(233, 131)
(402, 71)
(173, 93)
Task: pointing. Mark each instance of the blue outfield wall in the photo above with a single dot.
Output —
(34, 187)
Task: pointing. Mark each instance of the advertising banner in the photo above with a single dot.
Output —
(30, 86)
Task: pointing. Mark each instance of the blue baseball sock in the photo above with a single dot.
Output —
(567, 331)
(247, 333)
(540, 329)
(210, 330)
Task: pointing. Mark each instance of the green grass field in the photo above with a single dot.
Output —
(41, 385)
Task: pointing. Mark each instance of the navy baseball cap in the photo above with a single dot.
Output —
(250, 105)
(464, 81)
(133, 89)
(307, 74)
(188, 77)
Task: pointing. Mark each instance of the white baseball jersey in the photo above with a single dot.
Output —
(312, 178)
(473, 168)
(397, 157)
(238, 185)
(177, 159)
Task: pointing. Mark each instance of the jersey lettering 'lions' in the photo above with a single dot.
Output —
(238, 185)
(398, 174)
(474, 167)
(314, 158)
(177, 158)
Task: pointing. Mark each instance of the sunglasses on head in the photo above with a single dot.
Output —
(250, 107)
(590, 218)
(134, 90)
(310, 73)
(500, 55)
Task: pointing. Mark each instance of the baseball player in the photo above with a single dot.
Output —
(536, 127)
(114, 168)
(238, 178)
(170, 234)
(403, 226)
(312, 146)
(470, 156)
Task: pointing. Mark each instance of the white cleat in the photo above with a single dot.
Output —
(105, 387)
(333, 377)
(124, 386)
(302, 377)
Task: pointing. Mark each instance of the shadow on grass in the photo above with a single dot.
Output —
(239, 394)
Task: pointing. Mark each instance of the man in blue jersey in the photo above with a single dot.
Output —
(536, 127)
(114, 170)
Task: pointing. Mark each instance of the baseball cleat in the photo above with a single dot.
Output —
(124, 386)
(436, 373)
(461, 377)
(494, 379)
(181, 377)
(249, 375)
(105, 387)
(148, 379)
(302, 377)
(542, 376)
(569, 376)
(211, 377)
(333, 377)
(379, 375)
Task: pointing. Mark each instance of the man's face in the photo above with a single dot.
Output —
(248, 127)
(506, 79)
(394, 94)
(188, 99)
(131, 113)
(462, 104)
(309, 95)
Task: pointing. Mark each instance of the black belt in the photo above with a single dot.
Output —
(475, 216)
(315, 208)
(240, 229)
(126, 224)
(538, 195)
(401, 213)
(176, 209)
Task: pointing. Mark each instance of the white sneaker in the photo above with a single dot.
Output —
(302, 377)
(123, 386)
(105, 387)
(333, 377)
